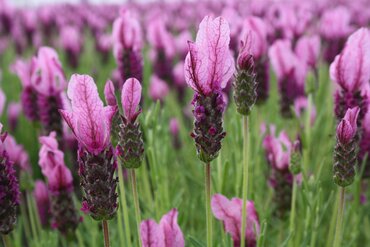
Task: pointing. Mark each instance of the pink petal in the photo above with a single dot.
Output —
(91, 126)
(282, 57)
(109, 94)
(308, 49)
(151, 234)
(258, 31)
(60, 178)
(209, 64)
(130, 97)
(351, 69)
(226, 211)
(173, 236)
(351, 116)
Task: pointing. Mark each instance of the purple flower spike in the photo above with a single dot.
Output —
(9, 190)
(127, 45)
(208, 67)
(60, 185)
(165, 234)
(131, 145)
(24, 71)
(230, 213)
(291, 73)
(346, 148)
(91, 123)
(278, 150)
(14, 111)
(351, 71)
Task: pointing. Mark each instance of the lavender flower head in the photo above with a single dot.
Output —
(49, 81)
(9, 190)
(346, 148)
(24, 71)
(278, 151)
(131, 145)
(208, 67)
(254, 36)
(351, 72)
(127, 45)
(60, 186)
(291, 73)
(245, 84)
(91, 123)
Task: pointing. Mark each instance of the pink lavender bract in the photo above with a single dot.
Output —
(130, 98)
(230, 213)
(209, 64)
(165, 234)
(89, 120)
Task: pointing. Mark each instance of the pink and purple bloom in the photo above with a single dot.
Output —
(208, 67)
(9, 189)
(165, 234)
(346, 148)
(351, 72)
(291, 74)
(127, 45)
(91, 123)
(230, 213)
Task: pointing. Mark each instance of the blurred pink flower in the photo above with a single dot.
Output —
(158, 89)
(49, 155)
(230, 213)
(48, 77)
(165, 234)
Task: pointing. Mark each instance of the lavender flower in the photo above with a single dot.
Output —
(60, 186)
(208, 67)
(350, 70)
(346, 148)
(165, 234)
(230, 213)
(131, 146)
(49, 81)
(9, 190)
(91, 123)
(42, 199)
(127, 45)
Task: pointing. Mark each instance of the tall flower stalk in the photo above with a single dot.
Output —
(245, 96)
(131, 147)
(208, 67)
(91, 123)
(345, 159)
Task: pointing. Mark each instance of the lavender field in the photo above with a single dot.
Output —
(210, 123)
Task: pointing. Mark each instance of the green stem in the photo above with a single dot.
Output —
(338, 229)
(245, 178)
(32, 218)
(136, 203)
(124, 206)
(26, 225)
(6, 240)
(292, 214)
(208, 203)
(106, 233)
